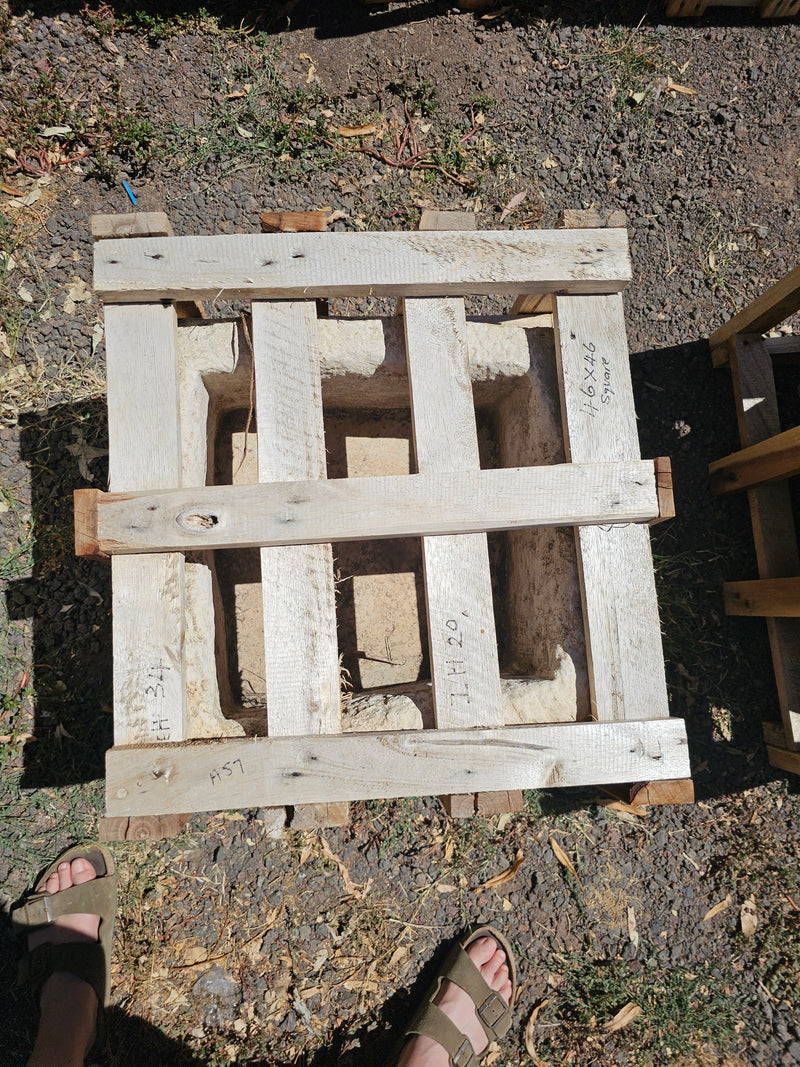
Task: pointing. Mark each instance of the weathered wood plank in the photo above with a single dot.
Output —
(458, 586)
(353, 509)
(771, 514)
(779, 302)
(147, 591)
(302, 658)
(623, 633)
(773, 597)
(131, 224)
(254, 772)
(294, 221)
(771, 460)
(307, 265)
(143, 224)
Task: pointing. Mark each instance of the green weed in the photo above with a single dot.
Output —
(680, 1011)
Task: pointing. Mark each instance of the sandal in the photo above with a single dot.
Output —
(88, 960)
(492, 1011)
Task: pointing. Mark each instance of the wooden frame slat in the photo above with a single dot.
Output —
(301, 651)
(779, 302)
(308, 265)
(623, 632)
(147, 591)
(774, 531)
(458, 587)
(254, 772)
(771, 460)
(770, 597)
(352, 509)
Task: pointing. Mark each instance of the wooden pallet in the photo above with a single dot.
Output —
(767, 458)
(767, 9)
(175, 751)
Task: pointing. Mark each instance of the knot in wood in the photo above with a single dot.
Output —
(197, 520)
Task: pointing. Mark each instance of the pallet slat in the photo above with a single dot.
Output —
(623, 633)
(255, 772)
(772, 597)
(771, 514)
(771, 460)
(296, 580)
(458, 586)
(344, 509)
(147, 591)
(308, 265)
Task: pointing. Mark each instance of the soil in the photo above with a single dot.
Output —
(312, 948)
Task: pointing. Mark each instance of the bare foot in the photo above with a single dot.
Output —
(77, 927)
(68, 1005)
(490, 959)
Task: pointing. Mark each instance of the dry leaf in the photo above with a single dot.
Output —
(56, 131)
(749, 917)
(357, 131)
(549, 163)
(85, 454)
(5, 348)
(633, 933)
(503, 821)
(312, 70)
(25, 294)
(628, 809)
(446, 888)
(562, 857)
(31, 196)
(515, 201)
(243, 132)
(723, 904)
(673, 87)
(623, 1018)
(77, 293)
(504, 876)
(530, 1033)
(357, 891)
(10, 190)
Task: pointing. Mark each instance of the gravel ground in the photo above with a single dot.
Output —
(234, 947)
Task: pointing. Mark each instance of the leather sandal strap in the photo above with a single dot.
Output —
(432, 1022)
(41, 909)
(84, 959)
(493, 1013)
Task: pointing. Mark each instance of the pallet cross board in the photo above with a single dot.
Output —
(768, 457)
(167, 519)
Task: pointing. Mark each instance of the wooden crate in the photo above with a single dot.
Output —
(767, 9)
(768, 457)
(555, 392)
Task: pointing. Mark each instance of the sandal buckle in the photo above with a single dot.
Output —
(465, 1056)
(492, 1010)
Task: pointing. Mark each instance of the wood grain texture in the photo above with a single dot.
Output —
(352, 509)
(623, 632)
(771, 460)
(771, 515)
(255, 772)
(779, 302)
(294, 221)
(131, 224)
(458, 585)
(307, 265)
(147, 591)
(775, 597)
(664, 486)
(302, 658)
(140, 827)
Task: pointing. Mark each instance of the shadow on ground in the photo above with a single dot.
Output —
(66, 601)
(355, 17)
